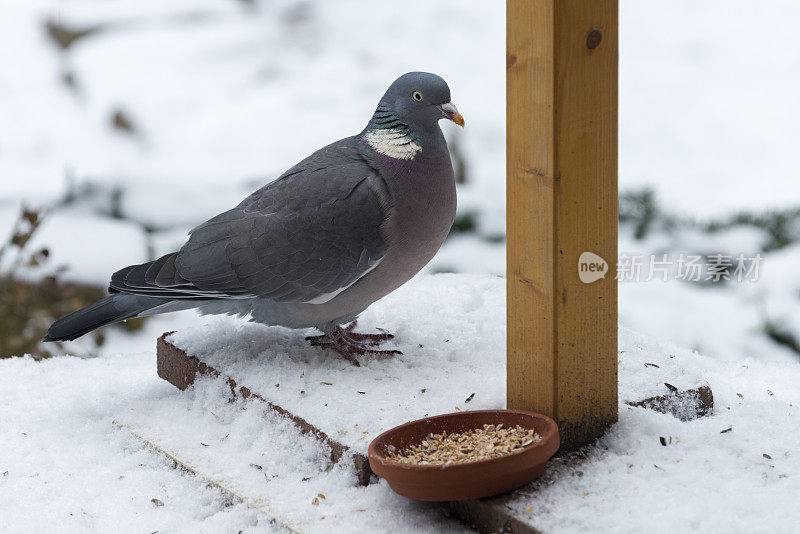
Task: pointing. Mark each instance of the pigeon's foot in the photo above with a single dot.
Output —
(351, 344)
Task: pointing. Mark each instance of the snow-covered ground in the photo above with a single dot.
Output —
(223, 95)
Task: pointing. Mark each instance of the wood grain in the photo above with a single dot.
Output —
(562, 65)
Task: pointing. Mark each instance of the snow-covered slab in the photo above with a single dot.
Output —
(259, 458)
(450, 328)
(256, 457)
(182, 370)
(648, 368)
(228, 488)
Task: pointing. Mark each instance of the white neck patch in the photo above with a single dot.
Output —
(392, 142)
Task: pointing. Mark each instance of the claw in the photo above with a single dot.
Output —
(349, 343)
(349, 357)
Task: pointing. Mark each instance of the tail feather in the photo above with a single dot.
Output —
(115, 308)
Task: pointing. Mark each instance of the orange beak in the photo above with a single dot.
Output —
(450, 111)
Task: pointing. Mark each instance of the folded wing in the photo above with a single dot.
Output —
(302, 238)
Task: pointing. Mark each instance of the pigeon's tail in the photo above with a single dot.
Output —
(111, 309)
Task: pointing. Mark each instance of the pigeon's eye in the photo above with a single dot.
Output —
(417, 95)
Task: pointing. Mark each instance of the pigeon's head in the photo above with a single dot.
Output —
(418, 100)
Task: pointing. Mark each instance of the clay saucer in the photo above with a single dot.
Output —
(468, 480)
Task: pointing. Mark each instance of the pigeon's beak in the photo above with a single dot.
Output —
(450, 111)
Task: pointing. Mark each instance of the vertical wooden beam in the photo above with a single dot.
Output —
(562, 58)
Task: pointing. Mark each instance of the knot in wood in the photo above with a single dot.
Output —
(593, 39)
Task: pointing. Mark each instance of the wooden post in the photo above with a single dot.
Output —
(561, 62)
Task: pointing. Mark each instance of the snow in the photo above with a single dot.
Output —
(65, 469)
(725, 322)
(60, 444)
(704, 479)
(258, 455)
(707, 113)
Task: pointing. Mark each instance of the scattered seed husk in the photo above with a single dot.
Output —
(470, 446)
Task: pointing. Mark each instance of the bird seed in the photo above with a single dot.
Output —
(484, 443)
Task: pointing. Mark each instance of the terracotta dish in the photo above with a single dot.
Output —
(469, 480)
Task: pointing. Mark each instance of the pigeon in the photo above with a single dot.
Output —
(343, 228)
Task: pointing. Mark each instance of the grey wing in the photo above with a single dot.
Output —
(303, 238)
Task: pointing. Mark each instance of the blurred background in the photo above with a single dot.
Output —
(125, 123)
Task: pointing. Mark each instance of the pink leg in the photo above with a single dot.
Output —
(351, 344)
